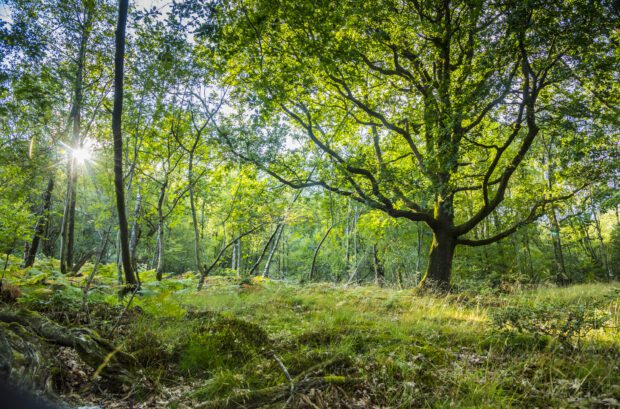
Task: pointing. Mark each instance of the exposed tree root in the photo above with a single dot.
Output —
(28, 342)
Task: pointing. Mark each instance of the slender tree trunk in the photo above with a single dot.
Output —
(40, 227)
(561, 276)
(153, 262)
(192, 205)
(529, 254)
(91, 276)
(160, 251)
(378, 267)
(65, 223)
(160, 230)
(346, 239)
(71, 222)
(68, 223)
(119, 61)
(274, 247)
(133, 241)
(418, 249)
(599, 235)
(262, 254)
(316, 253)
(206, 271)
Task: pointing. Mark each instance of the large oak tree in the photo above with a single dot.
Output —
(405, 106)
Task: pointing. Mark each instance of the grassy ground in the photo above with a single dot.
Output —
(242, 342)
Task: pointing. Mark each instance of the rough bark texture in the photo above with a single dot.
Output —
(41, 225)
(119, 62)
(440, 261)
(133, 241)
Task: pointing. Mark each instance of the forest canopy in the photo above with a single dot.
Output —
(261, 131)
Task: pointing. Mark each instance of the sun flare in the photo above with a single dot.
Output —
(82, 154)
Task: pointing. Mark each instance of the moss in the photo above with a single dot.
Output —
(222, 343)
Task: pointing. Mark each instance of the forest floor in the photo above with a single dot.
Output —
(262, 343)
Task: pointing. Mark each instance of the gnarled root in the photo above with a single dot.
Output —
(28, 342)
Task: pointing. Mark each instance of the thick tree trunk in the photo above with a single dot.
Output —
(441, 255)
(119, 62)
(40, 226)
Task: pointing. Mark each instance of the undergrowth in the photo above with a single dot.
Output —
(366, 346)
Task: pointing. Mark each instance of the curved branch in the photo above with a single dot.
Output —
(532, 216)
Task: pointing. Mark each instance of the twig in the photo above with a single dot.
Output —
(286, 374)
(133, 294)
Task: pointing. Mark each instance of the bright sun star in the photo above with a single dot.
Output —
(82, 154)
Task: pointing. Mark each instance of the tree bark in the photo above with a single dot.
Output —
(160, 229)
(599, 234)
(274, 247)
(378, 267)
(192, 205)
(119, 62)
(561, 275)
(40, 226)
(316, 252)
(159, 271)
(133, 241)
(262, 254)
(441, 255)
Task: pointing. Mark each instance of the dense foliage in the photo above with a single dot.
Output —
(229, 106)
(311, 151)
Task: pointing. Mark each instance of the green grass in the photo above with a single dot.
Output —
(400, 348)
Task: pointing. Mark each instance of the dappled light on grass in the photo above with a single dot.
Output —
(385, 347)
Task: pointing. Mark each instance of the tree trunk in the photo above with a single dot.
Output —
(119, 61)
(64, 224)
(316, 253)
(274, 247)
(262, 254)
(133, 241)
(192, 205)
(50, 236)
(68, 223)
(40, 226)
(418, 249)
(378, 267)
(160, 251)
(439, 268)
(599, 235)
(561, 275)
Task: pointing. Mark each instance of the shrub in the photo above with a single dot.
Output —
(565, 323)
(9, 293)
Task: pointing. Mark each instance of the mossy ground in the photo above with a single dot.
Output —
(374, 347)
